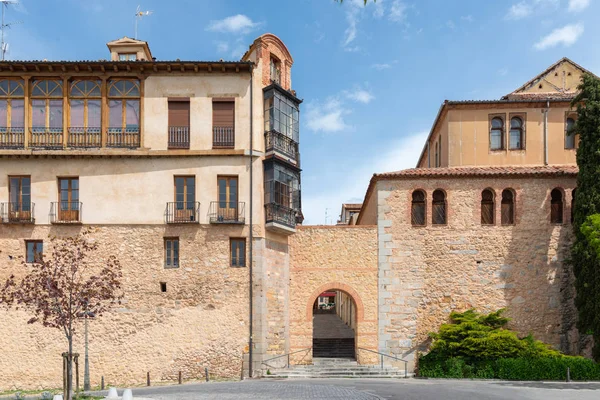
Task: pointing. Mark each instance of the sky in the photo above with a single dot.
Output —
(372, 77)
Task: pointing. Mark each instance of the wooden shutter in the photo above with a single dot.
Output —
(179, 113)
(223, 113)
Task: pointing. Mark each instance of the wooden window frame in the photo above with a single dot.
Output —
(557, 219)
(47, 97)
(231, 258)
(523, 117)
(573, 116)
(123, 97)
(422, 203)
(20, 194)
(72, 213)
(186, 190)
(514, 207)
(503, 145)
(487, 202)
(433, 207)
(76, 94)
(173, 262)
(41, 254)
(9, 97)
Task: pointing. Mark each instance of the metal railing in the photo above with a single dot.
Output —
(223, 136)
(47, 138)
(12, 138)
(17, 213)
(389, 356)
(123, 137)
(65, 212)
(225, 212)
(280, 214)
(84, 137)
(275, 141)
(182, 212)
(287, 355)
(179, 137)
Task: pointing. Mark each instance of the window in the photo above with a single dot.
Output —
(573, 192)
(185, 198)
(417, 208)
(238, 252)
(570, 133)
(282, 186)
(556, 206)
(275, 69)
(179, 124)
(123, 112)
(19, 197)
(85, 100)
(46, 112)
(12, 111)
(127, 56)
(439, 208)
(172, 252)
(508, 207)
(487, 207)
(163, 287)
(34, 251)
(281, 115)
(223, 123)
(228, 198)
(68, 208)
(516, 134)
(497, 134)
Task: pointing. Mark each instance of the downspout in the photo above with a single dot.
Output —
(250, 344)
(546, 132)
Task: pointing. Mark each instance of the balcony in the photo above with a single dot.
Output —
(277, 142)
(223, 137)
(17, 213)
(179, 137)
(12, 138)
(182, 212)
(46, 138)
(227, 212)
(123, 137)
(280, 219)
(80, 137)
(65, 212)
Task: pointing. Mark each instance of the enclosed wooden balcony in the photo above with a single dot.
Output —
(283, 145)
(12, 138)
(224, 212)
(182, 212)
(82, 137)
(17, 213)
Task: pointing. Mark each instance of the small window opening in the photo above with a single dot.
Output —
(569, 74)
(540, 86)
(163, 287)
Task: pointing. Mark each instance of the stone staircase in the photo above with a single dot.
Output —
(335, 368)
(333, 348)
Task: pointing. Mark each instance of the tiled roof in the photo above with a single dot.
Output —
(542, 96)
(480, 171)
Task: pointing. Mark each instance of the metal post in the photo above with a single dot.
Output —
(288, 357)
(102, 383)
(86, 365)
(206, 373)
(180, 377)
(148, 378)
(568, 374)
(251, 237)
(405, 369)
(382, 361)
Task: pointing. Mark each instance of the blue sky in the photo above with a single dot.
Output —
(372, 78)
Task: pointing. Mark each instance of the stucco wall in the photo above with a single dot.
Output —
(427, 272)
(201, 321)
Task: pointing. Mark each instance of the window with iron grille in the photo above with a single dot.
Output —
(34, 251)
(172, 252)
(487, 207)
(238, 252)
(417, 208)
(556, 206)
(508, 207)
(439, 208)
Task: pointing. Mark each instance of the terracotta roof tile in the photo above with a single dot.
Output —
(542, 96)
(481, 171)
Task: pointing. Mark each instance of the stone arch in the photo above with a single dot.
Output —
(271, 39)
(360, 310)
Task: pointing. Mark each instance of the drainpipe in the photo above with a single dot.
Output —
(546, 132)
(250, 344)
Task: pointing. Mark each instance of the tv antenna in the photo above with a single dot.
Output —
(138, 16)
(3, 45)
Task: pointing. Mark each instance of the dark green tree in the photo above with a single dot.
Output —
(584, 258)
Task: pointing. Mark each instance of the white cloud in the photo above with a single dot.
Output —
(398, 11)
(235, 24)
(450, 25)
(468, 18)
(360, 95)
(503, 71)
(351, 185)
(351, 31)
(222, 47)
(381, 67)
(327, 117)
(566, 36)
(519, 10)
(578, 5)
(379, 10)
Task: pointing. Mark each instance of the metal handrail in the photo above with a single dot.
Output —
(284, 355)
(389, 356)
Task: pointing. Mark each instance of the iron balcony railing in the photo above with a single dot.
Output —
(47, 138)
(182, 212)
(179, 137)
(84, 137)
(223, 137)
(275, 141)
(65, 212)
(12, 138)
(280, 214)
(17, 213)
(123, 137)
(226, 212)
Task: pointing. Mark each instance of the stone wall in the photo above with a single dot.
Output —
(427, 272)
(201, 321)
(337, 258)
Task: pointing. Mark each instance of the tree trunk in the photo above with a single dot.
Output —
(69, 394)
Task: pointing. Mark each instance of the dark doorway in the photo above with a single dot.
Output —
(334, 325)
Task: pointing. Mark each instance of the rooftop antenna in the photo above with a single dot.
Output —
(3, 44)
(138, 16)
(326, 214)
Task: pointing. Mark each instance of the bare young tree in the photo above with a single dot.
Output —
(61, 289)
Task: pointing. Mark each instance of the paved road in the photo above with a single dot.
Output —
(374, 389)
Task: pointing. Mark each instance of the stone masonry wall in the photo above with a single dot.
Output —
(427, 272)
(201, 321)
(333, 257)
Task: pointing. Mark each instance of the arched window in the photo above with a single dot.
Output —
(573, 192)
(569, 134)
(85, 99)
(497, 134)
(439, 208)
(46, 113)
(12, 113)
(417, 208)
(508, 207)
(516, 133)
(556, 206)
(124, 113)
(487, 207)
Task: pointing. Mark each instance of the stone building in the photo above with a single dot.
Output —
(189, 172)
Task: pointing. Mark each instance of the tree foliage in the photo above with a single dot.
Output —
(69, 284)
(585, 257)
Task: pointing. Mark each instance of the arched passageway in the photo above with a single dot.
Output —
(334, 325)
